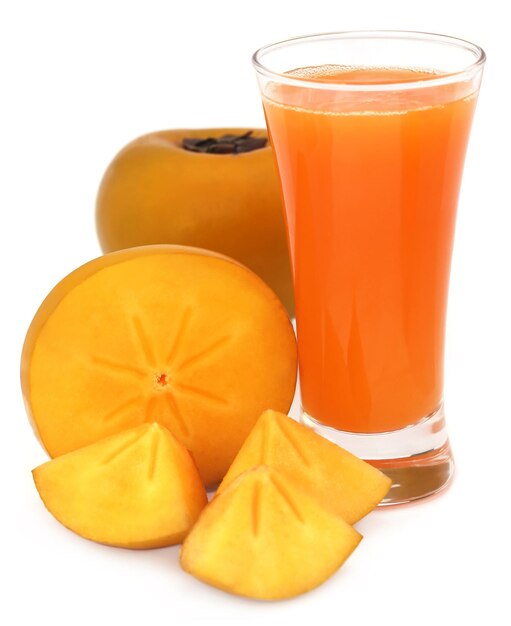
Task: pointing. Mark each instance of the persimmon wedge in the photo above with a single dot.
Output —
(181, 336)
(137, 489)
(340, 480)
(265, 538)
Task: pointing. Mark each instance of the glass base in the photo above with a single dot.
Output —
(417, 458)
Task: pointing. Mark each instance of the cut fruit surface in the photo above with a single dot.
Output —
(337, 478)
(136, 489)
(265, 538)
(177, 335)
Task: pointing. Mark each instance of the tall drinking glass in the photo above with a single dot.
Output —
(369, 131)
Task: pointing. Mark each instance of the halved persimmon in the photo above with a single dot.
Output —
(178, 335)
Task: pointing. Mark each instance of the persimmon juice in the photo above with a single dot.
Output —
(370, 182)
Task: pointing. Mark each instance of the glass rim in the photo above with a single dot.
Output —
(465, 72)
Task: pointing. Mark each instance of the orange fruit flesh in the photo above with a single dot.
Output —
(340, 480)
(265, 538)
(136, 489)
(176, 335)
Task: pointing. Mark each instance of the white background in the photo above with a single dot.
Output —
(79, 80)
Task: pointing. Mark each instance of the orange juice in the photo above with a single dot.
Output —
(370, 182)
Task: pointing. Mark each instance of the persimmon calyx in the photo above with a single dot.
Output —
(226, 144)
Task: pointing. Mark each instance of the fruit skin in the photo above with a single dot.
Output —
(155, 191)
(265, 538)
(338, 479)
(137, 489)
(67, 393)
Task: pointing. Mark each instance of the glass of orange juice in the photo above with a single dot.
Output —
(369, 131)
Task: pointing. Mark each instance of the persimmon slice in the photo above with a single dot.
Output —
(340, 480)
(177, 335)
(265, 538)
(136, 489)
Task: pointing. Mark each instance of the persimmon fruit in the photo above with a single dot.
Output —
(214, 188)
(338, 479)
(265, 538)
(185, 337)
(137, 489)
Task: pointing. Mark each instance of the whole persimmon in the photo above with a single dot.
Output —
(213, 188)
